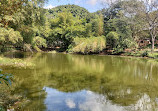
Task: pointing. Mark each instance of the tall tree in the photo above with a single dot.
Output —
(64, 29)
(20, 17)
(151, 16)
(140, 15)
(9, 7)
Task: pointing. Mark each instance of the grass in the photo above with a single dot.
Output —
(142, 54)
(153, 55)
(15, 62)
(53, 52)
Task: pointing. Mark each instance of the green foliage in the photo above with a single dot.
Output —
(145, 54)
(24, 8)
(112, 39)
(97, 25)
(131, 18)
(9, 38)
(75, 10)
(59, 26)
(27, 33)
(19, 63)
(88, 30)
(153, 55)
(39, 41)
(88, 45)
(66, 26)
(1, 108)
(124, 34)
(27, 21)
(64, 29)
(20, 20)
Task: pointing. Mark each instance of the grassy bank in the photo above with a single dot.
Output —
(148, 54)
(15, 62)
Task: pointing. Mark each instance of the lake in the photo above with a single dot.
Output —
(65, 82)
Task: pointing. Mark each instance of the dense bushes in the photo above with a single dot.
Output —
(39, 41)
(112, 39)
(9, 38)
(21, 21)
(119, 35)
(88, 45)
(65, 27)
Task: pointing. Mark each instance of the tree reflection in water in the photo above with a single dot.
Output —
(88, 83)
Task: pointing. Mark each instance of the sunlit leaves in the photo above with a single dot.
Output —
(9, 36)
(39, 41)
(75, 10)
(88, 45)
(65, 27)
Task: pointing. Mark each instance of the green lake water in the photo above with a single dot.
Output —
(65, 82)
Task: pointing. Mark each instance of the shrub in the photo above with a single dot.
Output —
(145, 54)
(39, 41)
(112, 39)
(88, 45)
(153, 55)
(9, 38)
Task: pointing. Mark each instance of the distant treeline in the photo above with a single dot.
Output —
(67, 27)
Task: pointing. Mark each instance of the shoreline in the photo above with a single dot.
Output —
(116, 55)
(18, 62)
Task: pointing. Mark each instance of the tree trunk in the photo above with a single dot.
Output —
(153, 44)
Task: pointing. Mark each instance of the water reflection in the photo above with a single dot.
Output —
(88, 83)
(79, 101)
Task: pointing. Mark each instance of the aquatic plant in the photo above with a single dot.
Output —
(5, 78)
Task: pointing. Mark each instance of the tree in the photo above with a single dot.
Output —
(10, 7)
(39, 42)
(75, 10)
(117, 26)
(65, 28)
(151, 16)
(112, 39)
(97, 25)
(141, 16)
(132, 10)
(25, 17)
(9, 37)
(124, 34)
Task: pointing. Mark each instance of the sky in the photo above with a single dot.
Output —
(90, 5)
